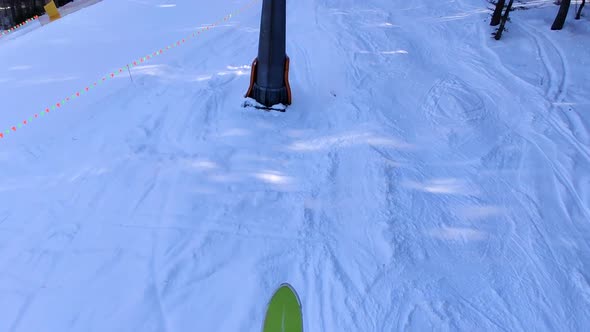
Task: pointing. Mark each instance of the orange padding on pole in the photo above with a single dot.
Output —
(252, 77)
(287, 80)
(286, 74)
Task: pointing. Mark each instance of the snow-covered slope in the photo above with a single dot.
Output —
(426, 177)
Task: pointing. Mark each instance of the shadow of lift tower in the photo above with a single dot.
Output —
(269, 78)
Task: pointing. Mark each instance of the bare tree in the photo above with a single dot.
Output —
(579, 13)
(561, 15)
(498, 34)
(13, 10)
(497, 15)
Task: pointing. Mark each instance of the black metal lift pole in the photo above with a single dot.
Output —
(269, 81)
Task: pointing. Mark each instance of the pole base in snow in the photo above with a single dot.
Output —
(269, 96)
(254, 104)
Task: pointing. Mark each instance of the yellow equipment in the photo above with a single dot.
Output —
(51, 10)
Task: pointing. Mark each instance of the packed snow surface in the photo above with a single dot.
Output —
(426, 177)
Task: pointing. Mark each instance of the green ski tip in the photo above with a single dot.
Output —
(284, 311)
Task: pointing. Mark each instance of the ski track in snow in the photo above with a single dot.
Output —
(403, 189)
